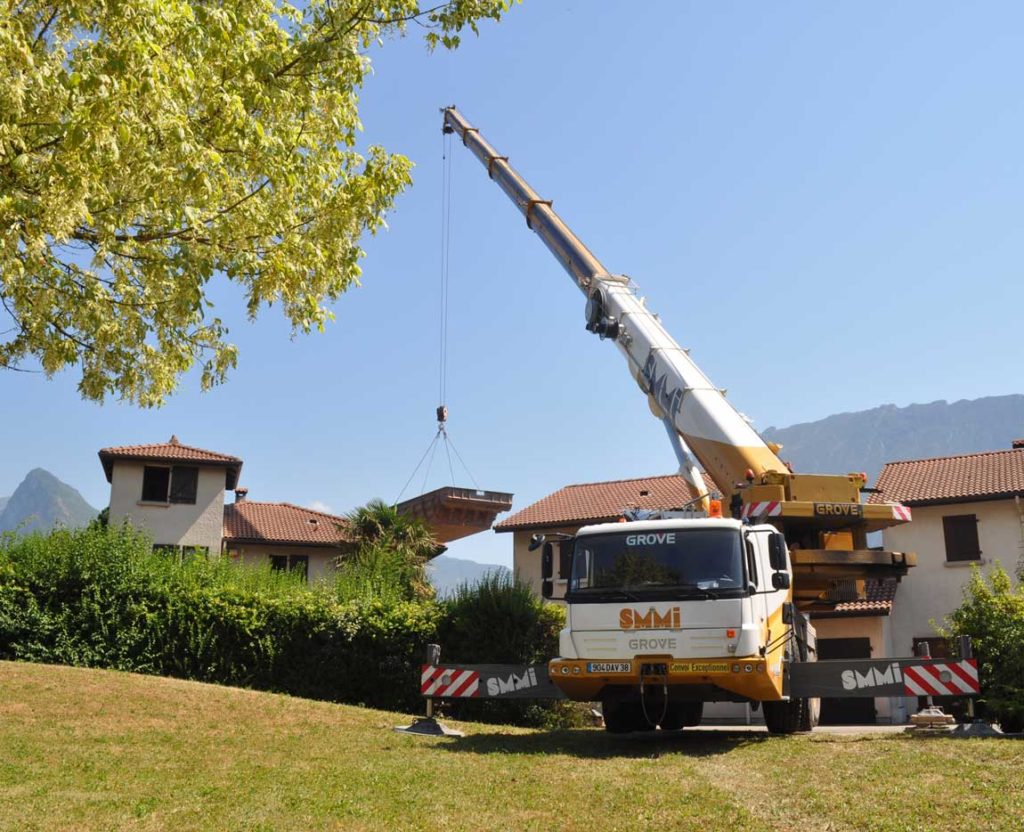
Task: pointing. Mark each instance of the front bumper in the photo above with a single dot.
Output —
(750, 677)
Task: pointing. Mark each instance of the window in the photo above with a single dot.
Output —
(184, 482)
(938, 648)
(564, 560)
(168, 549)
(751, 562)
(177, 484)
(290, 563)
(961, 533)
(155, 482)
(189, 552)
(697, 563)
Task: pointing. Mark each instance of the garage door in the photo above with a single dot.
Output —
(854, 711)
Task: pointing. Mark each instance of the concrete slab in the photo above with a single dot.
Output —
(452, 513)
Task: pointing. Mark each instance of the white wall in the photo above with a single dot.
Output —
(878, 630)
(201, 524)
(526, 564)
(321, 559)
(934, 588)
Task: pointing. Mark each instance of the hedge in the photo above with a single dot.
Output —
(100, 597)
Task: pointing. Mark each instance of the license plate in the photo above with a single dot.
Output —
(609, 667)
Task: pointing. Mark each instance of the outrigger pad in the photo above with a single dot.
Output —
(428, 727)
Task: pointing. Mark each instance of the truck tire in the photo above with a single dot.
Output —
(785, 717)
(683, 715)
(623, 717)
(812, 713)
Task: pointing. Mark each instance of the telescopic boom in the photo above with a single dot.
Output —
(697, 412)
(821, 515)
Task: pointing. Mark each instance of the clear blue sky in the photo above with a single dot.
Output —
(824, 201)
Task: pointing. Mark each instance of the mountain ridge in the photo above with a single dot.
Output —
(41, 502)
(864, 440)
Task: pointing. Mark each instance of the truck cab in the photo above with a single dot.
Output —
(666, 614)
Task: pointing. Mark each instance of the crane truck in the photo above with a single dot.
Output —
(702, 604)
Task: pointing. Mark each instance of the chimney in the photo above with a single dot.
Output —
(1017, 444)
(240, 494)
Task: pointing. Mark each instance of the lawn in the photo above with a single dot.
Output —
(98, 750)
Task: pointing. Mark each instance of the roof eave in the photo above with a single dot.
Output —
(233, 469)
(263, 541)
(967, 498)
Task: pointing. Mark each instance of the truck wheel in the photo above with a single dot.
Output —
(622, 717)
(684, 715)
(812, 713)
(785, 717)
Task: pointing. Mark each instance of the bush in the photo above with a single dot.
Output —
(496, 621)
(100, 597)
(992, 614)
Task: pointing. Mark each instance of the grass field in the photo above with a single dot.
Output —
(97, 750)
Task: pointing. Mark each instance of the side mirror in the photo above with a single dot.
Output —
(547, 563)
(536, 541)
(547, 588)
(777, 551)
(780, 580)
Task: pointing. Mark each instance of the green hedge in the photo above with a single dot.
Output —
(99, 597)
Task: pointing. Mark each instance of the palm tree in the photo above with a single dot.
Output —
(378, 528)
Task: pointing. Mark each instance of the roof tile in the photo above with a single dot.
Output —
(601, 501)
(171, 451)
(878, 600)
(952, 478)
(253, 522)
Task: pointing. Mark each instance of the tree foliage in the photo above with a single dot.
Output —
(149, 146)
(992, 614)
(392, 551)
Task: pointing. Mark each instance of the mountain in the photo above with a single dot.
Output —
(448, 573)
(867, 439)
(41, 502)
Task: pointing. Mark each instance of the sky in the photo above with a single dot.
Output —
(823, 201)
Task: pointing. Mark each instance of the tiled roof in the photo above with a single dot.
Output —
(171, 451)
(601, 501)
(880, 595)
(952, 479)
(252, 522)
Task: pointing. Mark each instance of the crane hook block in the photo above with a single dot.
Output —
(442, 414)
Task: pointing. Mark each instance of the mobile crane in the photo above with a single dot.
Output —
(667, 613)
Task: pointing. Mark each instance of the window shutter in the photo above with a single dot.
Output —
(961, 534)
(184, 484)
(565, 559)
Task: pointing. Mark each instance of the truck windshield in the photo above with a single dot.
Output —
(705, 563)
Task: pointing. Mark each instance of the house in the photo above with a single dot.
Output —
(968, 511)
(849, 629)
(176, 493)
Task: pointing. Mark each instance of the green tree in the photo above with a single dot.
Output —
(149, 146)
(992, 614)
(391, 546)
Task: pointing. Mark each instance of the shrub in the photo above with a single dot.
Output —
(495, 621)
(100, 597)
(992, 614)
